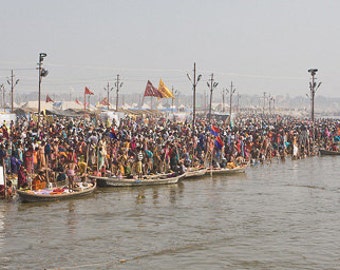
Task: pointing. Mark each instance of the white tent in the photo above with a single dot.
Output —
(145, 106)
(65, 105)
(33, 105)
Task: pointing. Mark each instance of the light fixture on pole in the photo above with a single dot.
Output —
(211, 85)
(313, 88)
(194, 84)
(42, 73)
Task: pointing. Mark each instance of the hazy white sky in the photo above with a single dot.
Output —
(262, 46)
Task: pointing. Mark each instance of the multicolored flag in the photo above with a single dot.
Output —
(219, 142)
(214, 130)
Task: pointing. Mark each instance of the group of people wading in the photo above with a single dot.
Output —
(72, 147)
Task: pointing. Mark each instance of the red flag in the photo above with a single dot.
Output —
(105, 102)
(151, 91)
(77, 101)
(48, 99)
(88, 91)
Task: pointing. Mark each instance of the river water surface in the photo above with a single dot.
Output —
(275, 216)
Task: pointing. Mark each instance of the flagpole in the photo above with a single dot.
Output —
(141, 105)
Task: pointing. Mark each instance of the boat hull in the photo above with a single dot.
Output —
(192, 174)
(329, 153)
(125, 182)
(29, 196)
(226, 171)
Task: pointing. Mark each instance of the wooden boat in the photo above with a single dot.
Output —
(324, 152)
(56, 194)
(226, 171)
(195, 173)
(131, 182)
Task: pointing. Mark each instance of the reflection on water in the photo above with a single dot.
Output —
(2, 226)
(72, 218)
(276, 216)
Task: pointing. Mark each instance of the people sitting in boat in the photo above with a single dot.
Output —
(182, 167)
(82, 165)
(223, 163)
(39, 181)
(9, 188)
(231, 164)
(103, 171)
(239, 160)
(334, 147)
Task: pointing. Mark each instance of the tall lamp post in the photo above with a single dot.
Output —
(108, 89)
(12, 84)
(194, 84)
(42, 73)
(313, 88)
(174, 93)
(211, 85)
(2, 87)
(118, 85)
(231, 91)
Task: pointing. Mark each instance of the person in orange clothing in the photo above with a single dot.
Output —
(39, 181)
(35, 158)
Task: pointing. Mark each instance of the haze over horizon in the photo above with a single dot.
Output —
(262, 46)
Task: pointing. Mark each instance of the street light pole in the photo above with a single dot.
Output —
(211, 85)
(2, 87)
(194, 84)
(108, 89)
(42, 73)
(223, 108)
(172, 100)
(231, 91)
(118, 85)
(313, 88)
(12, 84)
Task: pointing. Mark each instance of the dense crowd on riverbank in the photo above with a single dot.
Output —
(71, 147)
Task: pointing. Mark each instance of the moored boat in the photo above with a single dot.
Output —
(56, 194)
(227, 171)
(324, 152)
(192, 173)
(142, 181)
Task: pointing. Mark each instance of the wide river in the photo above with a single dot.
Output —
(282, 215)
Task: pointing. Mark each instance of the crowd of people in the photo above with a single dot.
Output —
(71, 147)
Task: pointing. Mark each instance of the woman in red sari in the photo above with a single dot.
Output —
(22, 177)
(28, 159)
